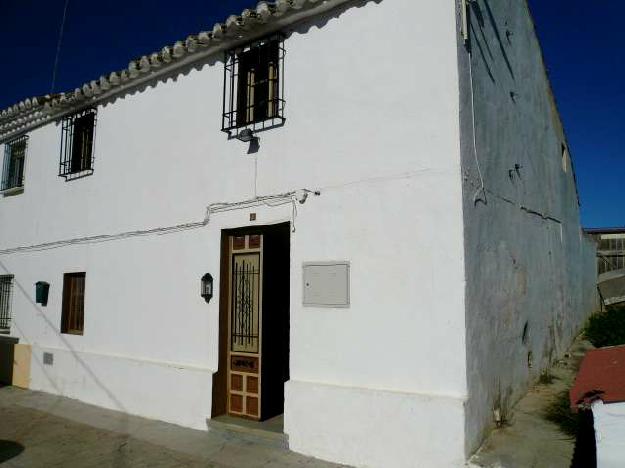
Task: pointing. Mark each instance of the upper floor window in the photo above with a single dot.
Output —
(77, 144)
(254, 86)
(73, 314)
(565, 158)
(13, 168)
(6, 291)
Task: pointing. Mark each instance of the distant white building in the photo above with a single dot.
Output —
(389, 222)
(610, 249)
(610, 263)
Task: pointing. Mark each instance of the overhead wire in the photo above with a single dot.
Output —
(267, 200)
(58, 47)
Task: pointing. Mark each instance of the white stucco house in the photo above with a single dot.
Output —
(359, 214)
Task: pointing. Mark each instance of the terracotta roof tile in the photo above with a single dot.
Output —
(601, 376)
(267, 15)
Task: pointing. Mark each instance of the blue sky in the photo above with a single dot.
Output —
(582, 43)
(583, 46)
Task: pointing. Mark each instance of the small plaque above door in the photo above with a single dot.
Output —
(245, 364)
(326, 284)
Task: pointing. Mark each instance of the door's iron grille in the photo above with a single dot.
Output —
(6, 290)
(245, 303)
(78, 144)
(253, 95)
(14, 158)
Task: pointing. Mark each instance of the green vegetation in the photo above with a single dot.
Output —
(546, 377)
(607, 328)
(559, 412)
(603, 329)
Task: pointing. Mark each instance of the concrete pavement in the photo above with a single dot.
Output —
(43, 430)
(530, 440)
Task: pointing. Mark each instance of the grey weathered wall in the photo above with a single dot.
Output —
(530, 272)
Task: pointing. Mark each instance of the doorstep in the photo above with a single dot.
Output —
(268, 432)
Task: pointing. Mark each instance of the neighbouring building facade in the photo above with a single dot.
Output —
(610, 248)
(610, 263)
(359, 214)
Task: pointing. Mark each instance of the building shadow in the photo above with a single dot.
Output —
(9, 449)
(585, 453)
(124, 429)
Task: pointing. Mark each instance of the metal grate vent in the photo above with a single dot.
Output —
(48, 359)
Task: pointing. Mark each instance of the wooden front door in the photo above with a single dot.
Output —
(244, 325)
(253, 322)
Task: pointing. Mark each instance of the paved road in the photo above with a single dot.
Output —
(42, 430)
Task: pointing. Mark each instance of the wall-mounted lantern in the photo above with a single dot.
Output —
(246, 135)
(206, 289)
(41, 292)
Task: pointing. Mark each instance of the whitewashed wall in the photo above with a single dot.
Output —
(609, 423)
(372, 108)
(531, 279)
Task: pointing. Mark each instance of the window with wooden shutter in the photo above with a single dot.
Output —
(77, 144)
(13, 167)
(254, 86)
(73, 317)
(6, 290)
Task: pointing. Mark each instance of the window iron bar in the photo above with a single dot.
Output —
(6, 291)
(254, 86)
(78, 144)
(14, 163)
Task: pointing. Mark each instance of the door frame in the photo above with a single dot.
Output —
(220, 377)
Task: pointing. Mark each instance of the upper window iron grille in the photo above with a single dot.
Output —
(77, 144)
(6, 292)
(254, 86)
(14, 158)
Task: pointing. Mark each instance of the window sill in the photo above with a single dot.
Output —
(10, 340)
(76, 175)
(12, 191)
(256, 127)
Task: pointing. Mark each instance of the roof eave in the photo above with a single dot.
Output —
(266, 18)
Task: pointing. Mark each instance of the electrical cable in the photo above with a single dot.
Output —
(475, 152)
(271, 201)
(58, 47)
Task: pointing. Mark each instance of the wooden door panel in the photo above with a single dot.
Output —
(245, 325)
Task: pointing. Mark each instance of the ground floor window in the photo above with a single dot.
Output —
(73, 316)
(6, 292)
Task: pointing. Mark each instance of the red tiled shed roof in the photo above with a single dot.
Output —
(601, 376)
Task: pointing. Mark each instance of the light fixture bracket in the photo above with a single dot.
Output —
(246, 135)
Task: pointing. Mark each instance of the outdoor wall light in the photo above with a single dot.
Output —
(246, 135)
(41, 292)
(206, 288)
